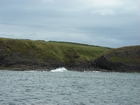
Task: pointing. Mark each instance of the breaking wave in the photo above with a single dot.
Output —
(61, 69)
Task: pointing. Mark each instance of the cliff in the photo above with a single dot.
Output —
(28, 54)
(125, 59)
(18, 54)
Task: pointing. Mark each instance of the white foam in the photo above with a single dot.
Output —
(61, 69)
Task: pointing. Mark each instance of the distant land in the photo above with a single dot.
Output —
(24, 54)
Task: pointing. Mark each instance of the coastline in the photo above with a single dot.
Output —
(16, 54)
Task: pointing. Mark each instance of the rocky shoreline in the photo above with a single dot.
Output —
(100, 64)
(40, 55)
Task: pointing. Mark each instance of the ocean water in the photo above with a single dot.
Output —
(63, 87)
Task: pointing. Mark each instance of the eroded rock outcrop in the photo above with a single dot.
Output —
(28, 55)
(126, 59)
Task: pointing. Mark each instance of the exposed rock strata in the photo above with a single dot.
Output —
(42, 56)
(15, 62)
(125, 59)
(105, 63)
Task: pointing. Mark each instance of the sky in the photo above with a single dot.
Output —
(109, 23)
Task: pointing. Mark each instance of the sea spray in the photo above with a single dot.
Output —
(61, 69)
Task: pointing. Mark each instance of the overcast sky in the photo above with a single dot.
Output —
(110, 23)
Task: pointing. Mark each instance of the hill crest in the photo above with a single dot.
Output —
(29, 54)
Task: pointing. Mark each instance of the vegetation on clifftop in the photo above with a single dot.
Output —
(39, 54)
(127, 55)
(45, 51)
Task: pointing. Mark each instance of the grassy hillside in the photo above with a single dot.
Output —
(127, 55)
(18, 54)
(46, 51)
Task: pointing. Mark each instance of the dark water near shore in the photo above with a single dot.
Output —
(62, 87)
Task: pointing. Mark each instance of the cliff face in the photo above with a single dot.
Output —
(125, 59)
(27, 55)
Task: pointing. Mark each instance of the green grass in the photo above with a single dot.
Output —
(66, 51)
(129, 54)
(52, 50)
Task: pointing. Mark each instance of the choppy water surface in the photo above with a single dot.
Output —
(62, 87)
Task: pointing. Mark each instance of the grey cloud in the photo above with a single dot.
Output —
(91, 21)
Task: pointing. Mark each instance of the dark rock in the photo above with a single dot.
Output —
(103, 63)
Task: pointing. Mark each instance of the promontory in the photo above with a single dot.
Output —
(24, 54)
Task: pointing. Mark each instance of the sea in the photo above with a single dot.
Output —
(63, 87)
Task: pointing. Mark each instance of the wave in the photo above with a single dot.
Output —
(61, 69)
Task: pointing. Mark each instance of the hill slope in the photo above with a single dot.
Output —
(27, 54)
(125, 59)
(20, 54)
